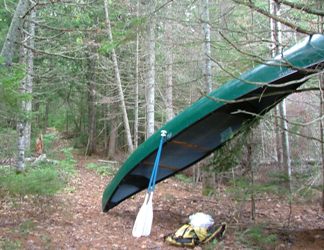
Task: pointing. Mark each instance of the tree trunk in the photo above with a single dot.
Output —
(136, 98)
(169, 71)
(29, 77)
(286, 159)
(274, 51)
(207, 51)
(21, 147)
(92, 111)
(250, 166)
(277, 49)
(26, 57)
(47, 105)
(209, 176)
(278, 140)
(13, 34)
(321, 83)
(119, 84)
(322, 132)
(112, 138)
(150, 89)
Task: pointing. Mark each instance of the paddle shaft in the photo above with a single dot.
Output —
(152, 182)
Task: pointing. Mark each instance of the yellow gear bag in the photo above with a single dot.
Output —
(188, 236)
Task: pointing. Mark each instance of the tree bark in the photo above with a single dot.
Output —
(169, 72)
(286, 159)
(112, 138)
(207, 50)
(13, 35)
(92, 109)
(150, 85)
(21, 147)
(250, 166)
(321, 79)
(136, 99)
(276, 37)
(30, 75)
(209, 176)
(119, 84)
(274, 50)
(26, 57)
(321, 107)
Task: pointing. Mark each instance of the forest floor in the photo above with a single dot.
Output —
(73, 219)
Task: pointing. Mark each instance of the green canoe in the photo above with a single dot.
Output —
(207, 124)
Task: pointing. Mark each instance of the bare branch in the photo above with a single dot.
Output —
(261, 84)
(302, 7)
(63, 55)
(252, 98)
(289, 131)
(293, 26)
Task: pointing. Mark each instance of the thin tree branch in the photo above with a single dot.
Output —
(302, 7)
(216, 99)
(162, 6)
(289, 131)
(56, 54)
(277, 61)
(261, 84)
(295, 27)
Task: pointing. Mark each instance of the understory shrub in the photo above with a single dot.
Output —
(43, 181)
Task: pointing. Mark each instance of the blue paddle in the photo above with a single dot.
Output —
(144, 218)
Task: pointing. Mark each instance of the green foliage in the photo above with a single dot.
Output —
(43, 181)
(230, 154)
(257, 237)
(183, 178)
(10, 81)
(48, 139)
(7, 244)
(208, 191)
(57, 118)
(242, 188)
(26, 227)
(214, 244)
(8, 142)
(103, 170)
(107, 47)
(68, 164)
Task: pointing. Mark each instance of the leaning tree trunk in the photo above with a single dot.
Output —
(119, 84)
(13, 35)
(150, 85)
(277, 41)
(7, 52)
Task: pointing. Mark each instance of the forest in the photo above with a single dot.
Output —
(83, 83)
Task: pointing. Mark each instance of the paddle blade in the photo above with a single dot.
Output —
(149, 217)
(144, 218)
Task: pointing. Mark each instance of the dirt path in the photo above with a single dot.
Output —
(73, 218)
